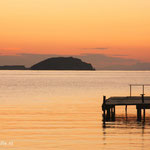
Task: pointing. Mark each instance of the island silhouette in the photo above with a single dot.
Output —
(16, 67)
(62, 63)
(55, 63)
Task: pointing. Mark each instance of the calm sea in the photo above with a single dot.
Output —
(61, 110)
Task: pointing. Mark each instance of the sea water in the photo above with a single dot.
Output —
(61, 110)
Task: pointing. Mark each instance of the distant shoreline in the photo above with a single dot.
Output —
(65, 64)
(55, 63)
(28, 69)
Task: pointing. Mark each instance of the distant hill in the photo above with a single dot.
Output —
(17, 67)
(62, 63)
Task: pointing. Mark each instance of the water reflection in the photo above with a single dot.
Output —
(133, 133)
(62, 110)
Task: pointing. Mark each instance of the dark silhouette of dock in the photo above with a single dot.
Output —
(141, 102)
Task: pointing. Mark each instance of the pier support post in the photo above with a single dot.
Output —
(143, 115)
(113, 114)
(108, 114)
(126, 107)
(138, 114)
(104, 115)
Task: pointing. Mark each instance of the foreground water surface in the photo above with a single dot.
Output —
(61, 110)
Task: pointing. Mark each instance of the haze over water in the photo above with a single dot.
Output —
(61, 110)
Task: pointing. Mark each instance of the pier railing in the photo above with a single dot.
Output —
(142, 85)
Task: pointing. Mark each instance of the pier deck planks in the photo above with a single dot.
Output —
(134, 100)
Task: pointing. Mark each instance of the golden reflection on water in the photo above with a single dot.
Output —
(65, 119)
(67, 127)
(71, 126)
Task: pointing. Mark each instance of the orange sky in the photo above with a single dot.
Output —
(122, 27)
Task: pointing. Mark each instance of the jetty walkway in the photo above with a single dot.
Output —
(141, 102)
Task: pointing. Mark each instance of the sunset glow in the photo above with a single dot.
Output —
(70, 27)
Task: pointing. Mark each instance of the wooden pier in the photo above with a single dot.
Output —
(141, 102)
